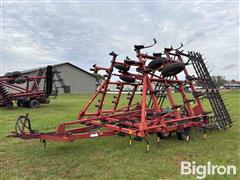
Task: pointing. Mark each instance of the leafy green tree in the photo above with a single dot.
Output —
(219, 80)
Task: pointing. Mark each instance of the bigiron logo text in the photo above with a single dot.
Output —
(201, 171)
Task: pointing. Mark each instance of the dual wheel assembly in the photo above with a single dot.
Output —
(32, 103)
(182, 134)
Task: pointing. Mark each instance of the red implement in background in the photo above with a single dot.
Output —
(25, 90)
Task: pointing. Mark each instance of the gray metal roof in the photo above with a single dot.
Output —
(55, 65)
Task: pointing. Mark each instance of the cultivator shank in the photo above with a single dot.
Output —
(149, 105)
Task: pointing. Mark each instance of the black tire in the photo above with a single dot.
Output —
(20, 103)
(8, 74)
(25, 103)
(34, 103)
(122, 67)
(155, 64)
(20, 80)
(11, 82)
(129, 62)
(157, 54)
(121, 134)
(164, 135)
(182, 134)
(173, 69)
(16, 73)
(127, 79)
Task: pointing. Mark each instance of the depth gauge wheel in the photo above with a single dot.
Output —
(34, 103)
(182, 134)
(164, 135)
(20, 103)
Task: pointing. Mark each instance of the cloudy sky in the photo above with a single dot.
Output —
(38, 33)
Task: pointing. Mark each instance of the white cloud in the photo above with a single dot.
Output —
(84, 33)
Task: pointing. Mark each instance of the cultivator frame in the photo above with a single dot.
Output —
(139, 119)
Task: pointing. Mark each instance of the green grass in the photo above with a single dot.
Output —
(110, 157)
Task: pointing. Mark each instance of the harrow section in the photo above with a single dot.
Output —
(6, 98)
(154, 111)
(221, 116)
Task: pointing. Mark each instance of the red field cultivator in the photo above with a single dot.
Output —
(153, 76)
(25, 90)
